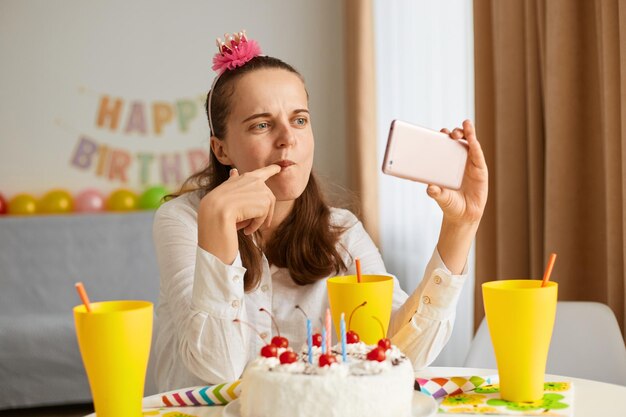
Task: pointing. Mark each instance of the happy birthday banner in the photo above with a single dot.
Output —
(131, 118)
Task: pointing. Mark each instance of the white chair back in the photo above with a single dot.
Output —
(586, 343)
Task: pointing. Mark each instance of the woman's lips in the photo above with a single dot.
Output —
(284, 164)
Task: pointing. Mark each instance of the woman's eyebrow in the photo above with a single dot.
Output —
(256, 115)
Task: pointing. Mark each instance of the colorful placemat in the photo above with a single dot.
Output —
(220, 394)
(558, 400)
(441, 386)
(163, 412)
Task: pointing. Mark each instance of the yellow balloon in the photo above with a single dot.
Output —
(56, 202)
(23, 205)
(122, 200)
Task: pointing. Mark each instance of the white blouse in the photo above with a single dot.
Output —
(198, 343)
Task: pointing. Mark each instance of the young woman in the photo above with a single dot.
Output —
(256, 233)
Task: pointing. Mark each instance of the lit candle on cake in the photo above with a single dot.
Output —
(328, 333)
(342, 325)
(309, 339)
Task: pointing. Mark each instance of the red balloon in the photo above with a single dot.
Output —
(3, 205)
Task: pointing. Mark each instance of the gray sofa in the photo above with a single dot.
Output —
(40, 260)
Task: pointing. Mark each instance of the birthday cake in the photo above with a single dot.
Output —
(374, 381)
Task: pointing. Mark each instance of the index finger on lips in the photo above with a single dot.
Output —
(266, 172)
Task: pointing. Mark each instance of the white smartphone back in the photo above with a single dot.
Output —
(420, 154)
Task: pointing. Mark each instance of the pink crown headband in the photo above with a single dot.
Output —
(235, 51)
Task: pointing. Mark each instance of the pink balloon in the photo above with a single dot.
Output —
(89, 201)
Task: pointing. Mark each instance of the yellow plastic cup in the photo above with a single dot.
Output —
(345, 293)
(114, 341)
(520, 316)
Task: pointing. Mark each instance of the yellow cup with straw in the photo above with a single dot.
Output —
(364, 299)
(114, 339)
(520, 316)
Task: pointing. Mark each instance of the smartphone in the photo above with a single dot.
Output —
(424, 155)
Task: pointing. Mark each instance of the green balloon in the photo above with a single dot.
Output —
(152, 198)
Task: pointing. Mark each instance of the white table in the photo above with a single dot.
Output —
(586, 396)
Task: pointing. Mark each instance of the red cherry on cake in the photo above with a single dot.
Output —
(384, 343)
(288, 356)
(317, 340)
(280, 342)
(352, 337)
(277, 341)
(269, 351)
(327, 359)
(316, 337)
(377, 354)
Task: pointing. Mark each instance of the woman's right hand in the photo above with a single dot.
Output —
(241, 202)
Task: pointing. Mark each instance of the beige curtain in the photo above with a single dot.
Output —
(551, 115)
(361, 109)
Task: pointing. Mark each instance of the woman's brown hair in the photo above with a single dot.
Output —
(305, 242)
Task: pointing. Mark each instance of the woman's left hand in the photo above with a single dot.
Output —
(465, 205)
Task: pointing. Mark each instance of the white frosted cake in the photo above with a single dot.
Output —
(359, 387)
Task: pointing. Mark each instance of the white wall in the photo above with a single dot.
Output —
(59, 58)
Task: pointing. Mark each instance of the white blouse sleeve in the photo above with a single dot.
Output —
(421, 324)
(200, 297)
